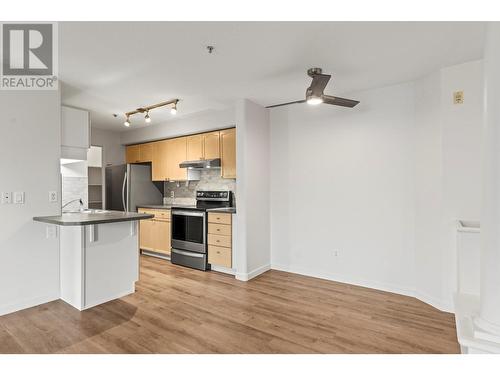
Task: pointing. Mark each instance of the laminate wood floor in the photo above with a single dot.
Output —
(179, 310)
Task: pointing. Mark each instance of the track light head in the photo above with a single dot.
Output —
(127, 122)
(173, 110)
(147, 118)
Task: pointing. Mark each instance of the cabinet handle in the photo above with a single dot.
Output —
(218, 230)
(217, 241)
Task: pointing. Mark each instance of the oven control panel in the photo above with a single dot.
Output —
(212, 195)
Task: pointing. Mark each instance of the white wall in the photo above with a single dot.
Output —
(342, 180)
(199, 123)
(429, 225)
(399, 169)
(462, 158)
(253, 183)
(30, 144)
(113, 152)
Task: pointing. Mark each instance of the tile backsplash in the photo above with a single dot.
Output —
(74, 188)
(210, 179)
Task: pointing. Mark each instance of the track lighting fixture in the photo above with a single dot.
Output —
(147, 118)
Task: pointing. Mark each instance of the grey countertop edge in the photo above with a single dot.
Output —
(229, 210)
(226, 210)
(90, 219)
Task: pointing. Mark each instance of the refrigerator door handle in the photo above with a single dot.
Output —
(123, 193)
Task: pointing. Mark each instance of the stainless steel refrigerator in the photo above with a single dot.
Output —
(130, 185)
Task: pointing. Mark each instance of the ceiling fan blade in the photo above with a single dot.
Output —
(318, 84)
(335, 100)
(279, 105)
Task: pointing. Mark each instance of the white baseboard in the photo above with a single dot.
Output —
(254, 273)
(229, 271)
(26, 304)
(386, 287)
(111, 298)
(442, 305)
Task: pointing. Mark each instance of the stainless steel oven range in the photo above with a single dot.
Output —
(189, 229)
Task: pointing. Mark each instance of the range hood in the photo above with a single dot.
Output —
(201, 164)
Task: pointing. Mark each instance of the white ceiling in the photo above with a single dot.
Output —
(114, 67)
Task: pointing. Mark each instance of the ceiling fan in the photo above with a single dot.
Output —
(315, 95)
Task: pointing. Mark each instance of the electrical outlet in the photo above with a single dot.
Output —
(172, 194)
(336, 253)
(53, 196)
(19, 197)
(51, 231)
(6, 197)
(458, 97)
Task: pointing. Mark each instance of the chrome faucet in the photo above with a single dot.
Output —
(74, 200)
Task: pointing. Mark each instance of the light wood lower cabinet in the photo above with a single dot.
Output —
(155, 234)
(220, 247)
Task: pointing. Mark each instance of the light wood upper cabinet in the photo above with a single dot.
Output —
(159, 161)
(203, 146)
(146, 152)
(228, 153)
(133, 154)
(139, 153)
(176, 154)
(211, 145)
(195, 147)
(165, 156)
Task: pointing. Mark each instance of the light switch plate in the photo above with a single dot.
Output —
(53, 196)
(19, 197)
(6, 197)
(458, 97)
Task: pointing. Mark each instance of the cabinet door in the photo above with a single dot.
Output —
(159, 161)
(146, 234)
(194, 147)
(146, 152)
(211, 145)
(162, 236)
(228, 153)
(176, 154)
(133, 154)
(75, 124)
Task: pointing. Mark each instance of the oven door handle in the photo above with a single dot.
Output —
(187, 213)
(188, 253)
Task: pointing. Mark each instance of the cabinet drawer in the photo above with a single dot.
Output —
(222, 229)
(220, 256)
(214, 217)
(146, 211)
(218, 240)
(162, 214)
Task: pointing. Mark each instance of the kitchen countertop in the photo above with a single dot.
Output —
(91, 218)
(229, 210)
(157, 206)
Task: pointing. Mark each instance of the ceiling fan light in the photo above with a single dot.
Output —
(314, 100)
